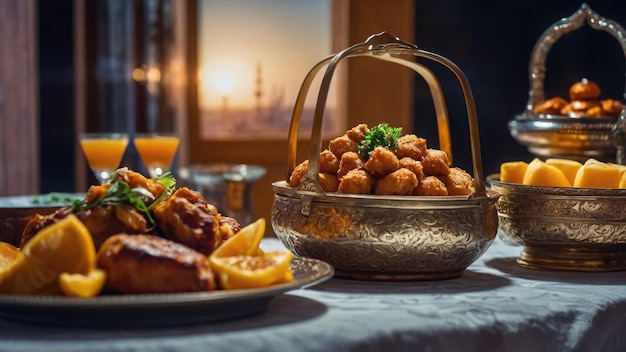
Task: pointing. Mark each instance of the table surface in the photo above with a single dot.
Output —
(495, 306)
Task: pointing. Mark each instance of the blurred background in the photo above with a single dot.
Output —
(69, 66)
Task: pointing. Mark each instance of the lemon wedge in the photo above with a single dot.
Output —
(63, 247)
(81, 285)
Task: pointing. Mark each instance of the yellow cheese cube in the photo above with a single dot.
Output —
(513, 171)
(569, 167)
(539, 173)
(597, 175)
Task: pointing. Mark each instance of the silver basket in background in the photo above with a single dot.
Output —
(579, 138)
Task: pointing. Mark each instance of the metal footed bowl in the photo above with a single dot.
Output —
(561, 136)
(372, 237)
(573, 229)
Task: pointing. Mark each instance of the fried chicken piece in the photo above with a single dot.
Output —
(298, 174)
(184, 222)
(38, 222)
(458, 182)
(381, 162)
(357, 133)
(414, 165)
(150, 264)
(329, 163)
(356, 181)
(108, 220)
(401, 182)
(329, 182)
(341, 145)
(196, 198)
(430, 186)
(349, 161)
(102, 221)
(435, 162)
(411, 146)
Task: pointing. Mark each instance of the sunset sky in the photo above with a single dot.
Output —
(285, 37)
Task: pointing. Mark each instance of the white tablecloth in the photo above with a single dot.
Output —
(495, 306)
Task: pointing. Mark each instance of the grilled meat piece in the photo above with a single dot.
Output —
(150, 264)
(38, 222)
(185, 217)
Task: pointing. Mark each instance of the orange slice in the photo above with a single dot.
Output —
(244, 242)
(10, 258)
(82, 286)
(63, 247)
(244, 271)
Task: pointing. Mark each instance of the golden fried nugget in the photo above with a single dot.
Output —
(430, 186)
(341, 145)
(381, 162)
(413, 165)
(436, 163)
(298, 174)
(329, 182)
(329, 163)
(411, 146)
(458, 182)
(349, 161)
(401, 182)
(356, 181)
(357, 133)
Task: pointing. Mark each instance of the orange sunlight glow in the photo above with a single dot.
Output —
(226, 77)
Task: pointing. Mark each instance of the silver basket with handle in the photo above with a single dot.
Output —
(384, 237)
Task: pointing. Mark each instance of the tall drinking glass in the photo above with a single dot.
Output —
(156, 151)
(104, 152)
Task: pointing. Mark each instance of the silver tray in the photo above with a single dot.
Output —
(150, 310)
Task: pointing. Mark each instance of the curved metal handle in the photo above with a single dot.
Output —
(537, 66)
(385, 47)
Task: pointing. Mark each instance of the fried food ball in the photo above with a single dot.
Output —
(436, 162)
(381, 162)
(430, 186)
(411, 146)
(298, 174)
(356, 181)
(551, 106)
(414, 165)
(349, 161)
(584, 90)
(458, 182)
(401, 182)
(329, 163)
(357, 133)
(611, 107)
(579, 108)
(595, 112)
(341, 145)
(329, 182)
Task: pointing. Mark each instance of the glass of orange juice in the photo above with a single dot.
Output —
(156, 151)
(104, 152)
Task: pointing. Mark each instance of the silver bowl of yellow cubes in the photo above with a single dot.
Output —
(384, 237)
(581, 227)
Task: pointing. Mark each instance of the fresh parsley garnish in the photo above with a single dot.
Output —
(120, 192)
(381, 135)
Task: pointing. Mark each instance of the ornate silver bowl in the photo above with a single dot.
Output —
(384, 237)
(576, 138)
(574, 229)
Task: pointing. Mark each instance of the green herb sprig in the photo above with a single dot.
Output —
(120, 192)
(381, 135)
